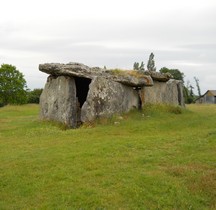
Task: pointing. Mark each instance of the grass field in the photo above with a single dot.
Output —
(151, 160)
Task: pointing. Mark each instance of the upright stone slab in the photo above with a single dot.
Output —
(180, 88)
(170, 92)
(58, 101)
(106, 97)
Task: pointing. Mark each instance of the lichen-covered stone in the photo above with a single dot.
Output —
(70, 69)
(106, 97)
(81, 70)
(58, 101)
(132, 81)
(157, 76)
(170, 92)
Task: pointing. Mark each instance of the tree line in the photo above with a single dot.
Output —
(13, 87)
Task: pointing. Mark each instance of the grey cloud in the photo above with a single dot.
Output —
(175, 39)
(206, 46)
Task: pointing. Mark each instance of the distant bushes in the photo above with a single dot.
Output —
(1, 103)
(34, 96)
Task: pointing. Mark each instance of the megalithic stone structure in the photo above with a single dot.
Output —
(75, 93)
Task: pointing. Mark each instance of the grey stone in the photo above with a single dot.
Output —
(70, 69)
(81, 70)
(170, 92)
(157, 76)
(180, 88)
(132, 80)
(106, 97)
(58, 101)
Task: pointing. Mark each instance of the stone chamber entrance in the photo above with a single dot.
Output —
(82, 88)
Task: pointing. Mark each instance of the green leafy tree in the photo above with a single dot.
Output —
(178, 75)
(138, 67)
(151, 63)
(34, 96)
(141, 68)
(12, 86)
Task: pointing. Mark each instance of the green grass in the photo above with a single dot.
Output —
(158, 159)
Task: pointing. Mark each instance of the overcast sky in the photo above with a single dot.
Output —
(111, 33)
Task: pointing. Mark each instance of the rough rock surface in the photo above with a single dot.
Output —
(132, 80)
(106, 97)
(157, 76)
(70, 69)
(58, 101)
(170, 92)
(81, 70)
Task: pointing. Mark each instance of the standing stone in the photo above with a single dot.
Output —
(106, 97)
(180, 88)
(170, 92)
(58, 101)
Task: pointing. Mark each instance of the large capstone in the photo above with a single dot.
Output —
(81, 70)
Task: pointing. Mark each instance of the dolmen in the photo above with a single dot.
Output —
(75, 93)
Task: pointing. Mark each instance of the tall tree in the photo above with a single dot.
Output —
(12, 85)
(138, 67)
(141, 68)
(151, 63)
(198, 86)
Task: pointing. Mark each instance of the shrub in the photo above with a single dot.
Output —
(34, 96)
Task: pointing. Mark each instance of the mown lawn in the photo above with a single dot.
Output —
(151, 160)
